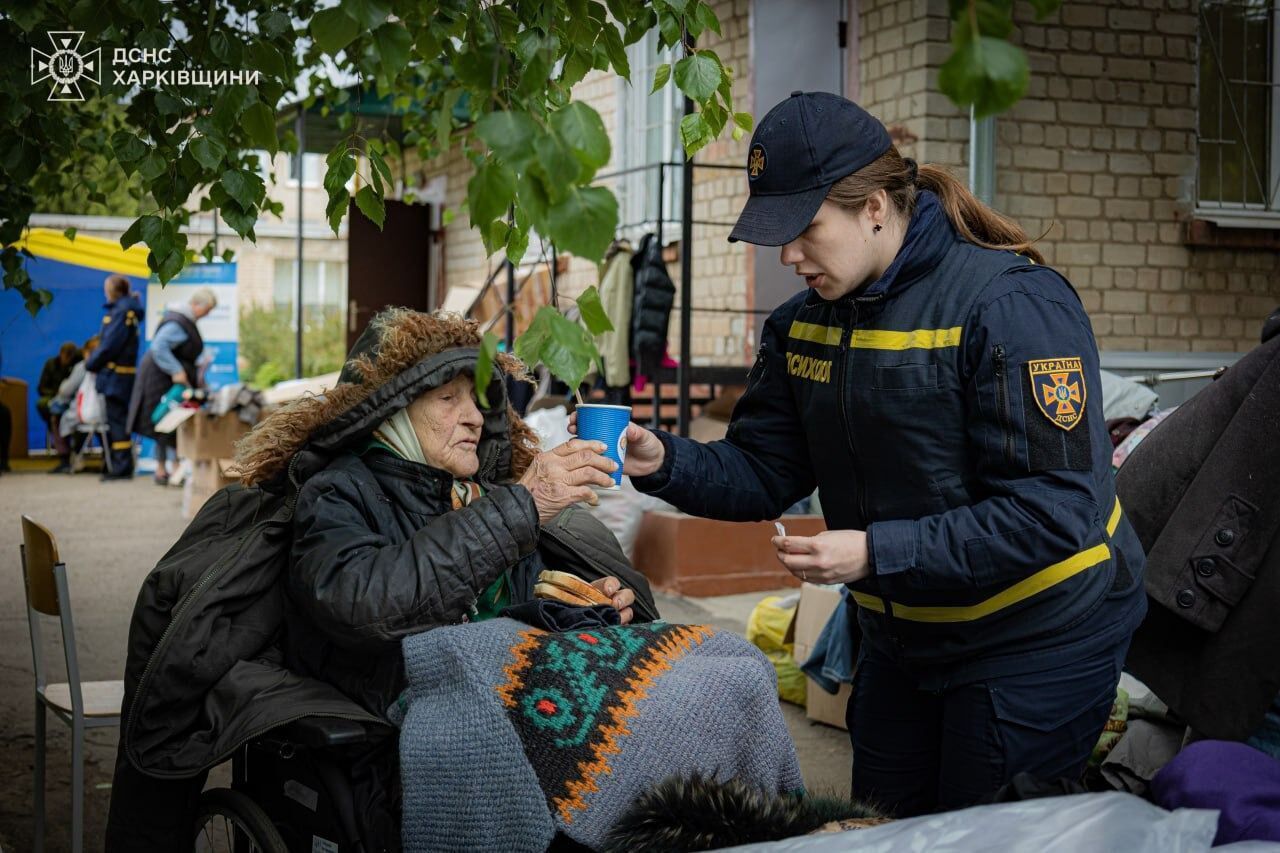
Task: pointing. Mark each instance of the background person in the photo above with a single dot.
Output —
(170, 360)
(115, 363)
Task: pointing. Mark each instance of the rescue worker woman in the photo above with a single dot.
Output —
(939, 385)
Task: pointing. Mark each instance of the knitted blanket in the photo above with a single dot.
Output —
(513, 733)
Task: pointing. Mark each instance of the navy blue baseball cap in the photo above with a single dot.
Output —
(801, 147)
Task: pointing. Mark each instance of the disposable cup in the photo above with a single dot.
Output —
(608, 425)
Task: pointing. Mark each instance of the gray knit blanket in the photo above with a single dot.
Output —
(513, 733)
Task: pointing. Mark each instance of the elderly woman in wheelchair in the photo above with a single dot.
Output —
(396, 506)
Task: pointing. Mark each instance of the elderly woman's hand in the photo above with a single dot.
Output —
(622, 597)
(564, 475)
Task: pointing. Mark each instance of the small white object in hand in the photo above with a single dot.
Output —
(782, 531)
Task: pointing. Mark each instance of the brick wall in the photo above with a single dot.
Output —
(720, 274)
(1100, 156)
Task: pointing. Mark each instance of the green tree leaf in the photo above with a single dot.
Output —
(333, 29)
(584, 222)
(592, 310)
(615, 49)
(260, 123)
(274, 24)
(371, 205)
(698, 75)
(510, 134)
(208, 152)
(243, 186)
(240, 219)
(660, 77)
(706, 18)
(559, 164)
(368, 13)
(490, 192)
(989, 74)
(583, 129)
(694, 132)
(564, 347)
(393, 44)
(484, 367)
(70, 234)
(128, 147)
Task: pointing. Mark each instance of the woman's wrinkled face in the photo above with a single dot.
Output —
(448, 423)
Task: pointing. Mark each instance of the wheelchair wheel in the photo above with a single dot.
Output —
(230, 822)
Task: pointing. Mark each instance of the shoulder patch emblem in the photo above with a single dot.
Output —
(1058, 386)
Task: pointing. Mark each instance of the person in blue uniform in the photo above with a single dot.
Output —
(938, 384)
(115, 362)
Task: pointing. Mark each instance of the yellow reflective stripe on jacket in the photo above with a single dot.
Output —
(915, 339)
(1020, 591)
(121, 445)
(117, 368)
(812, 332)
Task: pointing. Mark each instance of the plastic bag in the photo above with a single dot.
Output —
(89, 408)
(766, 630)
(1098, 823)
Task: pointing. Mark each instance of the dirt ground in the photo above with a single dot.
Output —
(111, 535)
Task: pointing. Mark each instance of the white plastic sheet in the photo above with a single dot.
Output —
(1097, 823)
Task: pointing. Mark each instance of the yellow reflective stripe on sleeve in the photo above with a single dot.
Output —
(812, 332)
(121, 445)
(1114, 521)
(915, 339)
(1020, 591)
(116, 368)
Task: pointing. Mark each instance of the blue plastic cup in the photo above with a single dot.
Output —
(607, 425)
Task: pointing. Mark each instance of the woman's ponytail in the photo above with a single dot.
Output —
(901, 179)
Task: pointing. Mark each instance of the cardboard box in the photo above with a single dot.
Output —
(701, 556)
(203, 437)
(207, 477)
(817, 603)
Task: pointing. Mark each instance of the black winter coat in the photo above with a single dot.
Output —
(1203, 492)
(653, 297)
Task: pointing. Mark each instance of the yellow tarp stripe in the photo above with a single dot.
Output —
(829, 335)
(86, 251)
(915, 339)
(1020, 591)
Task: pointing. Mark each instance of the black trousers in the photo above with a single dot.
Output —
(121, 443)
(921, 751)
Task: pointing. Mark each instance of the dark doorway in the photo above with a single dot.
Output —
(387, 267)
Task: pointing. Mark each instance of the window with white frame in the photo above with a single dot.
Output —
(324, 283)
(309, 166)
(1238, 141)
(648, 133)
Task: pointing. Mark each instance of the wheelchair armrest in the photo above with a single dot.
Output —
(321, 732)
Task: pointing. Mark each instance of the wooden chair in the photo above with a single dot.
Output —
(81, 705)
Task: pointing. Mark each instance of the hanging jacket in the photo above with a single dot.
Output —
(116, 358)
(654, 295)
(617, 288)
(945, 409)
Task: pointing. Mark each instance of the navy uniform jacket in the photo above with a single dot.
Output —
(952, 410)
(115, 361)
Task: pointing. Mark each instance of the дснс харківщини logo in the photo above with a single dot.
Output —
(66, 66)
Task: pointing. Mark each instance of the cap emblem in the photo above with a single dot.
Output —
(755, 162)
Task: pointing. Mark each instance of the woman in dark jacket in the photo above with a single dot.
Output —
(430, 518)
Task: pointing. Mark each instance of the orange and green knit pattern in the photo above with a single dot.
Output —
(571, 696)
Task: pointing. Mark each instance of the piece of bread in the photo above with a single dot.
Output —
(569, 589)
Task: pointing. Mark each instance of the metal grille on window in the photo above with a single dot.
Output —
(649, 133)
(1238, 159)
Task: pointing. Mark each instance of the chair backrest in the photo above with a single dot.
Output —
(40, 555)
(46, 583)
